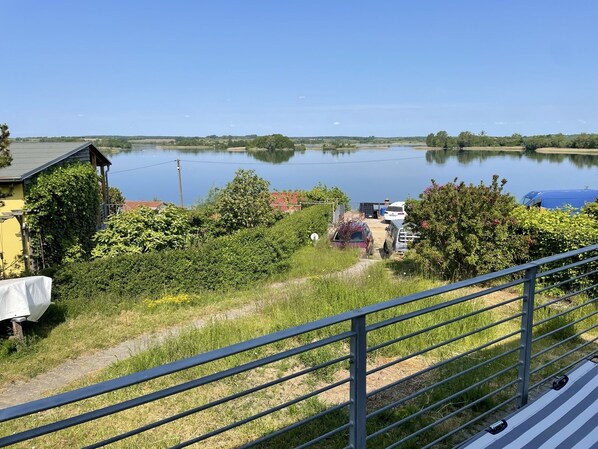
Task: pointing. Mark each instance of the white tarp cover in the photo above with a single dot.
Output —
(25, 297)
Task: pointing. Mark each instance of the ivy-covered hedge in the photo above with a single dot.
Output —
(62, 213)
(223, 263)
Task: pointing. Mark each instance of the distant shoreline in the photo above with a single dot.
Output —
(505, 149)
(552, 150)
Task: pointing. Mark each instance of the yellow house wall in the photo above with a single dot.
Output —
(11, 245)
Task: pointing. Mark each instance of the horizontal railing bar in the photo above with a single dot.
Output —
(559, 343)
(562, 356)
(566, 296)
(450, 415)
(442, 382)
(565, 368)
(443, 305)
(566, 267)
(324, 437)
(441, 364)
(573, 323)
(295, 425)
(443, 343)
(251, 418)
(470, 422)
(28, 408)
(435, 326)
(568, 281)
(160, 394)
(215, 403)
(442, 401)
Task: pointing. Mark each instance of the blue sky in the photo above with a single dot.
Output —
(301, 68)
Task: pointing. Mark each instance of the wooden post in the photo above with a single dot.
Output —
(17, 331)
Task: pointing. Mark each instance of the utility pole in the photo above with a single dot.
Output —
(178, 167)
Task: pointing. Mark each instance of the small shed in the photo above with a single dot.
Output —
(28, 160)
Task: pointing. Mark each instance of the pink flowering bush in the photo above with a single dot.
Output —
(465, 230)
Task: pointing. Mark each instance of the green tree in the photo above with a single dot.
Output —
(322, 193)
(62, 213)
(431, 140)
(465, 230)
(465, 139)
(5, 157)
(245, 202)
(141, 231)
(115, 196)
(273, 142)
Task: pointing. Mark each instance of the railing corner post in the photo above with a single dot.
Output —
(358, 392)
(527, 327)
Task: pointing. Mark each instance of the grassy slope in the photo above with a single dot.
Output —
(71, 329)
(302, 303)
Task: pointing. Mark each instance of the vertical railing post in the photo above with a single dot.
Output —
(358, 397)
(527, 327)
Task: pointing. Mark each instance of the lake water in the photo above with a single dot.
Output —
(365, 175)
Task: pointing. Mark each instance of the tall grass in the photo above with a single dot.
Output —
(297, 304)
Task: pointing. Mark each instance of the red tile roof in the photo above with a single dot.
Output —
(132, 205)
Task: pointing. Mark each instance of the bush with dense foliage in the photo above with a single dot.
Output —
(553, 232)
(465, 230)
(62, 213)
(222, 263)
(557, 231)
(143, 230)
(322, 193)
(245, 202)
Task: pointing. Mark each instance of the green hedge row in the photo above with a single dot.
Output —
(555, 231)
(223, 263)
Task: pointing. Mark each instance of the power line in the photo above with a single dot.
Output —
(307, 163)
(370, 161)
(141, 168)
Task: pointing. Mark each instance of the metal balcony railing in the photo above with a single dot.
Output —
(424, 370)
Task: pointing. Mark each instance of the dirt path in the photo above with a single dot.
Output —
(75, 369)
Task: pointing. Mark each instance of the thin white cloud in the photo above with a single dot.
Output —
(500, 123)
(583, 122)
(336, 123)
(301, 97)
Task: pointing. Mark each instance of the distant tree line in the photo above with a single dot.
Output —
(468, 139)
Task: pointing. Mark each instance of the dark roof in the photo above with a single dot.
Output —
(29, 158)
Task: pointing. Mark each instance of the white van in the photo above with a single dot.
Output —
(395, 211)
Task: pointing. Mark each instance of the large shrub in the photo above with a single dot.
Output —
(62, 213)
(465, 230)
(553, 232)
(143, 230)
(323, 193)
(245, 202)
(556, 231)
(222, 263)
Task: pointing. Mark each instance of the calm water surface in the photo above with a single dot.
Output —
(366, 175)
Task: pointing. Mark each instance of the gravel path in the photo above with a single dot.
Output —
(75, 369)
